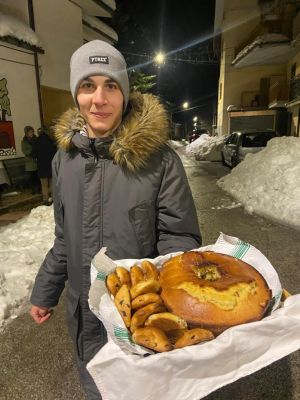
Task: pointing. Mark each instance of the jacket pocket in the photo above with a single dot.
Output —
(143, 218)
(73, 318)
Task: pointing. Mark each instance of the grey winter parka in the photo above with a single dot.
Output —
(127, 192)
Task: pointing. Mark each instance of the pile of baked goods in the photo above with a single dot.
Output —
(192, 298)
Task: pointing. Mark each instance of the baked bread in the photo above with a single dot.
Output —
(139, 317)
(213, 291)
(123, 275)
(166, 322)
(152, 338)
(174, 335)
(144, 299)
(113, 283)
(123, 303)
(150, 270)
(193, 336)
(136, 274)
(142, 287)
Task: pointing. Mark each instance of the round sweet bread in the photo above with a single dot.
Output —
(213, 291)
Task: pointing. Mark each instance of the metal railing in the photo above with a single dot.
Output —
(278, 91)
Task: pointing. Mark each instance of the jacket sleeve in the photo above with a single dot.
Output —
(50, 280)
(26, 149)
(177, 223)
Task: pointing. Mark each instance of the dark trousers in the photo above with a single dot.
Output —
(87, 344)
(87, 382)
(34, 182)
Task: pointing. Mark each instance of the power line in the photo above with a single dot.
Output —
(203, 55)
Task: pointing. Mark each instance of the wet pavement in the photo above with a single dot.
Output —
(37, 361)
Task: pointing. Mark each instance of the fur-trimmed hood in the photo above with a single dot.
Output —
(144, 130)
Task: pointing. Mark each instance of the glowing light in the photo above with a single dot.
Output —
(195, 119)
(185, 105)
(160, 58)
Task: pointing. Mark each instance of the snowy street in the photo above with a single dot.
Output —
(37, 360)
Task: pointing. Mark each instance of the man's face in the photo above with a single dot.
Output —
(30, 133)
(100, 102)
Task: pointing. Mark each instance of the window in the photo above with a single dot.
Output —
(233, 138)
(257, 140)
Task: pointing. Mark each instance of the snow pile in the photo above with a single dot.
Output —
(23, 246)
(11, 26)
(175, 144)
(206, 148)
(268, 182)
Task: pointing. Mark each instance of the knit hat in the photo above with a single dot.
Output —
(98, 58)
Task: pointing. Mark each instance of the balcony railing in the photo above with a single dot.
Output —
(295, 88)
(278, 91)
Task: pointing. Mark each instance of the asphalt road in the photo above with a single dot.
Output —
(37, 361)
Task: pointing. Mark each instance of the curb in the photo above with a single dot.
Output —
(33, 200)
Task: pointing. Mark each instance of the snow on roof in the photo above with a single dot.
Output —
(96, 23)
(267, 38)
(11, 26)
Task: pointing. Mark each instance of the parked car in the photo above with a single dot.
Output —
(197, 133)
(241, 143)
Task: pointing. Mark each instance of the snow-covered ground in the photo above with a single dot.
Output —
(266, 183)
(23, 246)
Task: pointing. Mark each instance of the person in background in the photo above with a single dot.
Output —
(44, 150)
(28, 144)
(117, 184)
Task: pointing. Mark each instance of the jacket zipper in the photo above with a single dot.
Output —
(94, 151)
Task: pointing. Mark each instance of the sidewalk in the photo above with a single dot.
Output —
(16, 205)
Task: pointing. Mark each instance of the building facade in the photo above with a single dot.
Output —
(260, 65)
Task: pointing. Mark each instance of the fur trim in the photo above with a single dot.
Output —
(65, 127)
(143, 131)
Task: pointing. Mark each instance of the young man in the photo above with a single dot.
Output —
(117, 184)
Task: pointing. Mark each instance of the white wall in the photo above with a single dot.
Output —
(17, 8)
(58, 24)
(20, 74)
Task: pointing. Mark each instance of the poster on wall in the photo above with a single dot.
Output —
(7, 137)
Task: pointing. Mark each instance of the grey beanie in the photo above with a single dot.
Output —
(98, 58)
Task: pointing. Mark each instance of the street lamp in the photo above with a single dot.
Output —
(185, 106)
(195, 119)
(160, 58)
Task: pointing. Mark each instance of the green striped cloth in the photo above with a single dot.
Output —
(101, 276)
(122, 334)
(240, 249)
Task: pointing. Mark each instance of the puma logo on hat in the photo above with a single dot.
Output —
(99, 60)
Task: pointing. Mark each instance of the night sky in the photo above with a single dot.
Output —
(183, 30)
